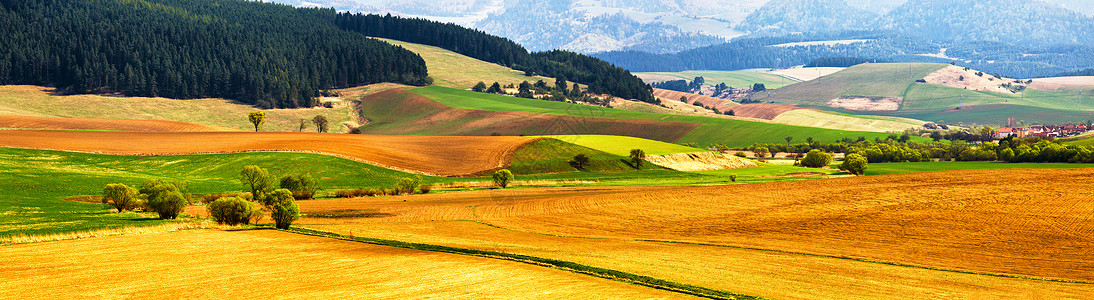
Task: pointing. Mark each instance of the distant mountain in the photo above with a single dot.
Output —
(1009, 21)
(790, 16)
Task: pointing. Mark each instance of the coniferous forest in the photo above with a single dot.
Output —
(265, 54)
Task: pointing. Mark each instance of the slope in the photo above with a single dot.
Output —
(865, 80)
(454, 70)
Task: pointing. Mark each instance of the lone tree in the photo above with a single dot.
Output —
(503, 177)
(684, 99)
(816, 159)
(854, 163)
(637, 157)
(320, 123)
(303, 125)
(761, 152)
(257, 179)
(120, 196)
(283, 208)
(788, 139)
(257, 118)
(479, 87)
(580, 161)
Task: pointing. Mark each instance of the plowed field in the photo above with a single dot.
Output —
(271, 264)
(445, 156)
(1025, 223)
(755, 111)
(28, 122)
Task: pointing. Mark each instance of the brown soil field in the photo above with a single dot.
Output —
(951, 76)
(212, 264)
(399, 112)
(867, 104)
(444, 156)
(755, 111)
(28, 122)
(1011, 222)
(1067, 83)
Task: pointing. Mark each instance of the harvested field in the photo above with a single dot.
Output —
(1067, 83)
(401, 112)
(958, 77)
(958, 220)
(704, 161)
(832, 120)
(266, 263)
(27, 122)
(866, 103)
(762, 111)
(444, 156)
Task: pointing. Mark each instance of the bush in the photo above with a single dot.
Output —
(121, 197)
(303, 195)
(733, 177)
(761, 152)
(854, 163)
(637, 157)
(816, 158)
(503, 177)
(408, 185)
(163, 198)
(740, 154)
(425, 189)
(232, 211)
(299, 183)
(283, 208)
(580, 161)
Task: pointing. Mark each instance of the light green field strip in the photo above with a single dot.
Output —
(622, 145)
(831, 120)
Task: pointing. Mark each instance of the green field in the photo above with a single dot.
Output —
(867, 80)
(712, 131)
(622, 145)
(730, 78)
(454, 70)
(553, 156)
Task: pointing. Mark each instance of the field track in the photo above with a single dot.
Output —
(29, 122)
(1023, 223)
(444, 156)
(271, 264)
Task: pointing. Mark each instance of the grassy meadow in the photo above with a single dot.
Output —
(454, 70)
(865, 80)
(730, 78)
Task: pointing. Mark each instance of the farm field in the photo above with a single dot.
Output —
(833, 120)
(454, 70)
(622, 145)
(445, 156)
(738, 80)
(167, 264)
(865, 80)
(27, 122)
(711, 131)
(38, 101)
(886, 230)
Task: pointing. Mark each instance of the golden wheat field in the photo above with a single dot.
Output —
(445, 155)
(270, 264)
(879, 234)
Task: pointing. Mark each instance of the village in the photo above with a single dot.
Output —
(1044, 131)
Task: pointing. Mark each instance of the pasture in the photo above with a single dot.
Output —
(865, 80)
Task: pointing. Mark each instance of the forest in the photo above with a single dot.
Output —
(269, 55)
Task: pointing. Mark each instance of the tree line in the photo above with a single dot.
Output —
(270, 55)
(600, 76)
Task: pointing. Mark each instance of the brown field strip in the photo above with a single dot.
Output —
(29, 122)
(272, 264)
(1019, 223)
(400, 112)
(755, 111)
(445, 155)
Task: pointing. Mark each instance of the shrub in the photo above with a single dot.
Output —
(408, 185)
(580, 161)
(740, 154)
(733, 177)
(761, 152)
(425, 189)
(121, 197)
(283, 208)
(637, 157)
(503, 177)
(257, 179)
(232, 211)
(854, 163)
(816, 158)
(163, 198)
(303, 195)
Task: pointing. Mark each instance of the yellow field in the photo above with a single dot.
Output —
(811, 239)
(824, 119)
(41, 102)
(272, 264)
(454, 70)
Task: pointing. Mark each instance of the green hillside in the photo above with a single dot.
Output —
(553, 156)
(711, 130)
(730, 78)
(867, 80)
(454, 70)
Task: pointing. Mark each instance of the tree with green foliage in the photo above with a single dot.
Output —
(120, 196)
(761, 152)
(731, 113)
(257, 179)
(232, 211)
(479, 87)
(303, 125)
(257, 118)
(503, 177)
(303, 186)
(320, 122)
(788, 139)
(166, 199)
(494, 88)
(637, 157)
(283, 208)
(854, 163)
(817, 158)
(580, 161)
(561, 84)
(759, 87)
(684, 99)
(525, 90)
(409, 185)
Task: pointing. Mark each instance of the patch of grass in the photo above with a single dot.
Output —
(712, 131)
(622, 145)
(454, 70)
(553, 156)
(38, 101)
(33, 182)
(733, 79)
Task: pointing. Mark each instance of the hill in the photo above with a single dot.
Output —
(865, 80)
(454, 70)
(779, 17)
(1009, 21)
